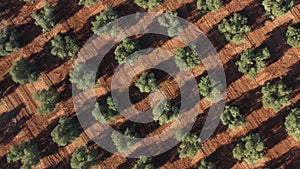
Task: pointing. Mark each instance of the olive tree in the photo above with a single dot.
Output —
(234, 28)
(249, 149)
(171, 23)
(207, 165)
(275, 96)
(48, 99)
(143, 163)
(103, 19)
(45, 18)
(65, 132)
(209, 89)
(186, 58)
(87, 2)
(293, 35)
(146, 83)
(253, 61)
(24, 71)
(292, 123)
(108, 111)
(64, 47)
(27, 153)
(83, 158)
(232, 117)
(82, 76)
(148, 4)
(126, 48)
(9, 41)
(165, 112)
(123, 144)
(274, 8)
(189, 146)
(206, 6)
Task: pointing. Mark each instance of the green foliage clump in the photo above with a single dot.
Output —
(293, 35)
(108, 111)
(206, 6)
(234, 28)
(65, 132)
(189, 146)
(105, 17)
(45, 18)
(27, 152)
(82, 76)
(126, 48)
(9, 41)
(207, 165)
(171, 23)
(83, 158)
(148, 4)
(275, 96)
(48, 99)
(292, 123)
(232, 117)
(124, 144)
(250, 149)
(253, 61)
(164, 112)
(146, 83)
(23, 71)
(209, 89)
(274, 8)
(64, 46)
(143, 163)
(87, 2)
(186, 58)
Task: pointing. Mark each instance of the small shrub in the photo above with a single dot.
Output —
(232, 117)
(83, 158)
(292, 123)
(148, 4)
(293, 35)
(126, 48)
(189, 146)
(104, 18)
(275, 96)
(108, 111)
(186, 58)
(48, 99)
(171, 23)
(63, 47)
(206, 6)
(124, 144)
(274, 8)
(143, 163)
(65, 132)
(146, 83)
(9, 41)
(250, 149)
(168, 114)
(87, 2)
(234, 28)
(209, 89)
(82, 77)
(45, 18)
(207, 165)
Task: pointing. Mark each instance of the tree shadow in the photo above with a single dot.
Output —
(289, 160)
(10, 8)
(28, 31)
(66, 9)
(189, 11)
(7, 85)
(217, 39)
(292, 79)
(231, 70)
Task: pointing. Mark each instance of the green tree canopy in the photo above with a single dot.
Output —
(186, 58)
(9, 41)
(171, 23)
(23, 71)
(292, 123)
(83, 158)
(27, 152)
(293, 35)
(148, 4)
(48, 99)
(64, 46)
(124, 144)
(274, 8)
(45, 18)
(206, 6)
(108, 111)
(232, 117)
(102, 19)
(189, 146)
(209, 89)
(165, 112)
(82, 76)
(253, 61)
(275, 96)
(126, 48)
(207, 165)
(249, 149)
(146, 83)
(65, 132)
(143, 163)
(234, 28)
(87, 2)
